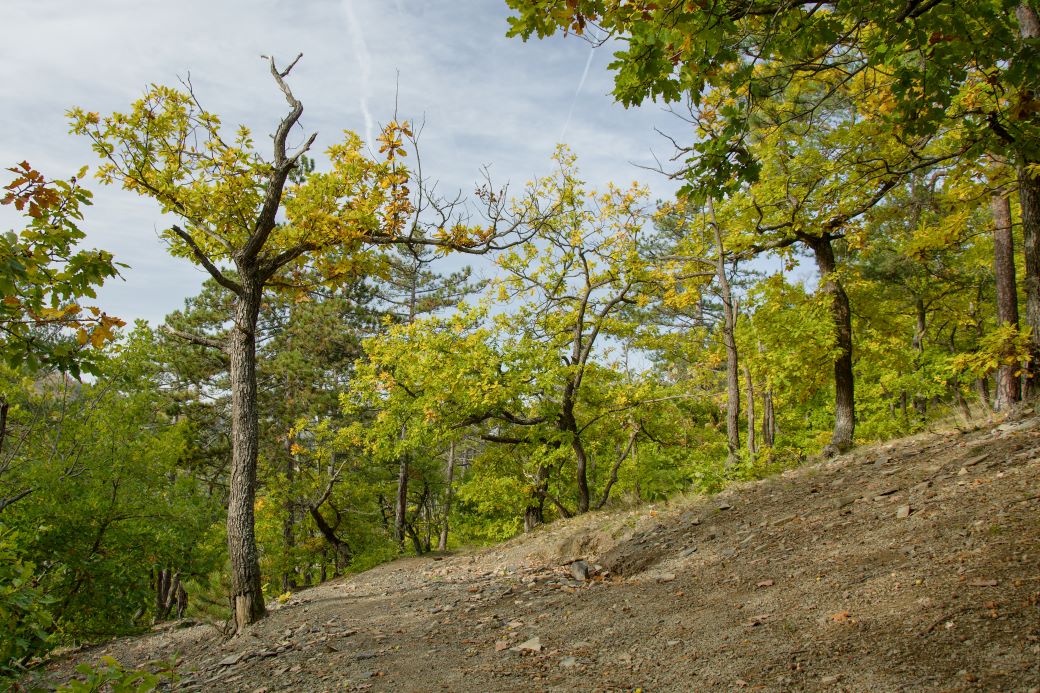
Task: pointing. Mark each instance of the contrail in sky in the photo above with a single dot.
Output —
(581, 83)
(364, 60)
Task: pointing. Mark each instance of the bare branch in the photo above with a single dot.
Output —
(283, 164)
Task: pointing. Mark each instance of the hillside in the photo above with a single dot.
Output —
(913, 565)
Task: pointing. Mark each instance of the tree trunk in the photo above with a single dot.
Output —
(442, 541)
(162, 589)
(752, 445)
(182, 600)
(841, 311)
(401, 501)
(1029, 199)
(768, 419)
(569, 425)
(289, 522)
(1008, 383)
(581, 459)
(534, 513)
(920, 326)
(730, 343)
(245, 565)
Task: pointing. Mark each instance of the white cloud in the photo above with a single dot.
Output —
(486, 99)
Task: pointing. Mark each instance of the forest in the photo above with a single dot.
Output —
(373, 369)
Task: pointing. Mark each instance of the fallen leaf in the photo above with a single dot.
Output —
(841, 616)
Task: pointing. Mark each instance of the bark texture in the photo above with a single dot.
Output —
(245, 561)
(401, 501)
(749, 384)
(449, 475)
(1008, 383)
(1029, 198)
(841, 311)
(768, 419)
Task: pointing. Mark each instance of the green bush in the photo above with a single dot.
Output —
(24, 609)
(110, 675)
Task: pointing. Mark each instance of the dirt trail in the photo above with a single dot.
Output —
(909, 566)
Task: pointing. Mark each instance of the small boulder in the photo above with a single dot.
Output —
(532, 645)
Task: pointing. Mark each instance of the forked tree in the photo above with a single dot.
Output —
(228, 198)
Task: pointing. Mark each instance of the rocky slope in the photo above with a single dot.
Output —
(908, 566)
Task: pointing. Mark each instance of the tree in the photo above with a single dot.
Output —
(538, 382)
(732, 60)
(43, 277)
(229, 197)
(411, 289)
(1009, 390)
(701, 235)
(114, 517)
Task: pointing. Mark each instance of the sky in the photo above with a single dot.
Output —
(486, 100)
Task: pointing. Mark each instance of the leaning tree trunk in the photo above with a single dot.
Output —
(245, 565)
(1008, 383)
(567, 424)
(841, 311)
(340, 548)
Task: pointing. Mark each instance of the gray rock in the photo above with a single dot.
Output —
(532, 645)
(580, 570)
(234, 659)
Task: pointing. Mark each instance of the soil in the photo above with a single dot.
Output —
(909, 566)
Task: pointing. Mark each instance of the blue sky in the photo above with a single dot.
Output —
(486, 100)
